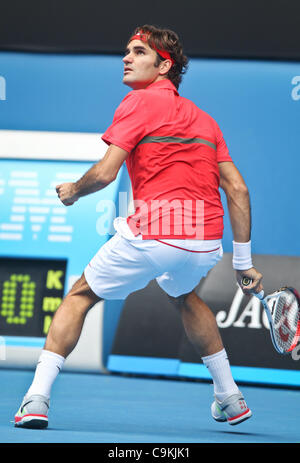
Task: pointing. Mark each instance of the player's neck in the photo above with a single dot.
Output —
(143, 85)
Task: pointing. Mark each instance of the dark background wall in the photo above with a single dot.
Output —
(215, 28)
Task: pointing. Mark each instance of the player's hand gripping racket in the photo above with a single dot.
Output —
(283, 311)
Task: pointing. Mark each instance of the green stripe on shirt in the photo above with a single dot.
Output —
(186, 141)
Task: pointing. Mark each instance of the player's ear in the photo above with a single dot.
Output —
(165, 66)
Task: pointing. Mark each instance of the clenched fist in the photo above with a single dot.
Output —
(252, 274)
(67, 193)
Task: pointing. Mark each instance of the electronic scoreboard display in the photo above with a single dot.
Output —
(31, 290)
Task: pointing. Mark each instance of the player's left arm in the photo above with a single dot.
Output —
(238, 201)
(96, 178)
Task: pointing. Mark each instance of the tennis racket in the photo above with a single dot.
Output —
(283, 311)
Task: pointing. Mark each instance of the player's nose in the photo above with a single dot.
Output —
(127, 58)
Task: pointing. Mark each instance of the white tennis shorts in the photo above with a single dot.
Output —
(127, 263)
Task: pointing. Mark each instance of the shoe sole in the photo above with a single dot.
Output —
(240, 418)
(32, 422)
(234, 420)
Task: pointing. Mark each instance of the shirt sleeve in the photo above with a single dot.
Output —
(129, 124)
(222, 150)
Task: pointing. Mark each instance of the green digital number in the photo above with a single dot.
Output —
(10, 303)
(47, 323)
(51, 304)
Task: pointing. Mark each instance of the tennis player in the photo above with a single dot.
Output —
(177, 159)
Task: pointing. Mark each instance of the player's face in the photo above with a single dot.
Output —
(139, 65)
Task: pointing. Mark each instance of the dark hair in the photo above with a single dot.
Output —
(165, 39)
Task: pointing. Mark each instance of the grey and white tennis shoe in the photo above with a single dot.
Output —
(33, 412)
(233, 409)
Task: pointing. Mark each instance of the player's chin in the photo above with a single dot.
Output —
(127, 80)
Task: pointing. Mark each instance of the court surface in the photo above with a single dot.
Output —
(91, 408)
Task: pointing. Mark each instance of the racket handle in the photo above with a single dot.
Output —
(260, 295)
(247, 281)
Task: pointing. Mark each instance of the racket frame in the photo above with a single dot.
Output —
(271, 323)
(264, 300)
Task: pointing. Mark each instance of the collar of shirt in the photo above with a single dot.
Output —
(164, 84)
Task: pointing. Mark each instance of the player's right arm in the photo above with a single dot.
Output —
(96, 178)
(238, 201)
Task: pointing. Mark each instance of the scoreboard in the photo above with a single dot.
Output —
(45, 246)
(31, 290)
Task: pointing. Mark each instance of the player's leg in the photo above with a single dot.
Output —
(63, 336)
(202, 330)
(68, 320)
(199, 323)
(115, 271)
(198, 319)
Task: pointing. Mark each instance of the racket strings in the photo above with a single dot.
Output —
(285, 312)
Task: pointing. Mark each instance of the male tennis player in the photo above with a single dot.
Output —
(176, 158)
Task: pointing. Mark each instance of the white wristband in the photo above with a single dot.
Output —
(241, 259)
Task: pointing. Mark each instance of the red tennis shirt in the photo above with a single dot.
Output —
(174, 151)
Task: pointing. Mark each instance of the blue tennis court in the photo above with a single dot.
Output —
(91, 408)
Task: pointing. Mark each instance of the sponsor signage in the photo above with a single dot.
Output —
(151, 328)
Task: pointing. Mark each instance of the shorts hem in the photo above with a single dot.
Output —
(86, 273)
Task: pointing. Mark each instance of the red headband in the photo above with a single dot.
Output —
(144, 38)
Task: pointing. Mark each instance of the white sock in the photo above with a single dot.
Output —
(219, 368)
(47, 369)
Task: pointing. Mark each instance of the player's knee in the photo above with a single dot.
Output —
(179, 301)
(81, 289)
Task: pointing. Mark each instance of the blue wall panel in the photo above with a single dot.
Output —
(257, 105)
